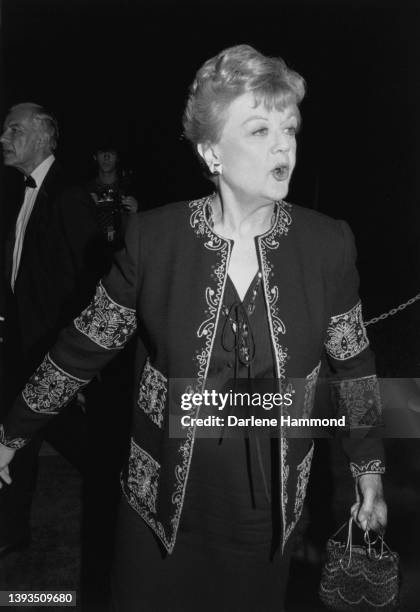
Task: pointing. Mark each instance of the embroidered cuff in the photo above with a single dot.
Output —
(14, 443)
(50, 388)
(359, 400)
(105, 322)
(374, 466)
(346, 334)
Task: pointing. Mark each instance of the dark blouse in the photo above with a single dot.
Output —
(228, 498)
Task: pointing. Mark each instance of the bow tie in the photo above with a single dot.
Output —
(30, 182)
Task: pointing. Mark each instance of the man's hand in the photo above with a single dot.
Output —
(370, 511)
(6, 455)
(130, 204)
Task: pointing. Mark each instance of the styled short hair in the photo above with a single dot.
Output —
(226, 76)
(47, 121)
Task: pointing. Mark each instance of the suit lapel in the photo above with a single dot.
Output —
(37, 228)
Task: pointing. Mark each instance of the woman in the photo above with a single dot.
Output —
(237, 285)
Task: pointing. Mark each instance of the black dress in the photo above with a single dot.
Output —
(227, 555)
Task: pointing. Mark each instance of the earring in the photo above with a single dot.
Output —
(216, 168)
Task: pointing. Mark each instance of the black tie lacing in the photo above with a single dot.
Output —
(237, 336)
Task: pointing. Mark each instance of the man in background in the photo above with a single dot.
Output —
(51, 265)
(55, 255)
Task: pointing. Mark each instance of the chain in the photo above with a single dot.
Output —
(393, 311)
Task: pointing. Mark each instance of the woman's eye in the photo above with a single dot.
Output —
(260, 131)
(292, 130)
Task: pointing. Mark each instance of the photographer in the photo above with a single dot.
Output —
(112, 192)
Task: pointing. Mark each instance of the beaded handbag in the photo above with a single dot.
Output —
(360, 577)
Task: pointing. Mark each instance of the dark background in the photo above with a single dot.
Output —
(123, 68)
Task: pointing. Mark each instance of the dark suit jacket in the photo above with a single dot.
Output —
(59, 267)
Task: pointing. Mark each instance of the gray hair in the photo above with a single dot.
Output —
(45, 119)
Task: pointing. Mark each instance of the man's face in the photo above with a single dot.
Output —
(106, 160)
(21, 141)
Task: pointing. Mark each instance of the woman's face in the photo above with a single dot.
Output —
(257, 150)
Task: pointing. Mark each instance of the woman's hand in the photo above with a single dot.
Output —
(129, 204)
(370, 511)
(6, 455)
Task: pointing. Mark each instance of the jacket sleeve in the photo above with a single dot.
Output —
(354, 385)
(83, 348)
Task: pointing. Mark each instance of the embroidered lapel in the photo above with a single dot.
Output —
(267, 244)
(213, 292)
(205, 333)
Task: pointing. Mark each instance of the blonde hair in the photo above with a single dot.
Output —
(226, 76)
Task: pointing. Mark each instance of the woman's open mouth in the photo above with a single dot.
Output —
(281, 172)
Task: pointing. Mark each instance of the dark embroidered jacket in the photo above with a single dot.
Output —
(167, 286)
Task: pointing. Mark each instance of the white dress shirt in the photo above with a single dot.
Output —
(31, 193)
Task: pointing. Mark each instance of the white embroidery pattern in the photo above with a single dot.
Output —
(206, 330)
(213, 295)
(50, 387)
(285, 470)
(181, 474)
(143, 476)
(14, 443)
(105, 322)
(270, 241)
(201, 227)
(152, 394)
(374, 466)
(281, 225)
(346, 334)
(303, 469)
(359, 400)
(310, 388)
(267, 242)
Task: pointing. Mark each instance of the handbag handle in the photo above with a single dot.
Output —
(383, 544)
(366, 538)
